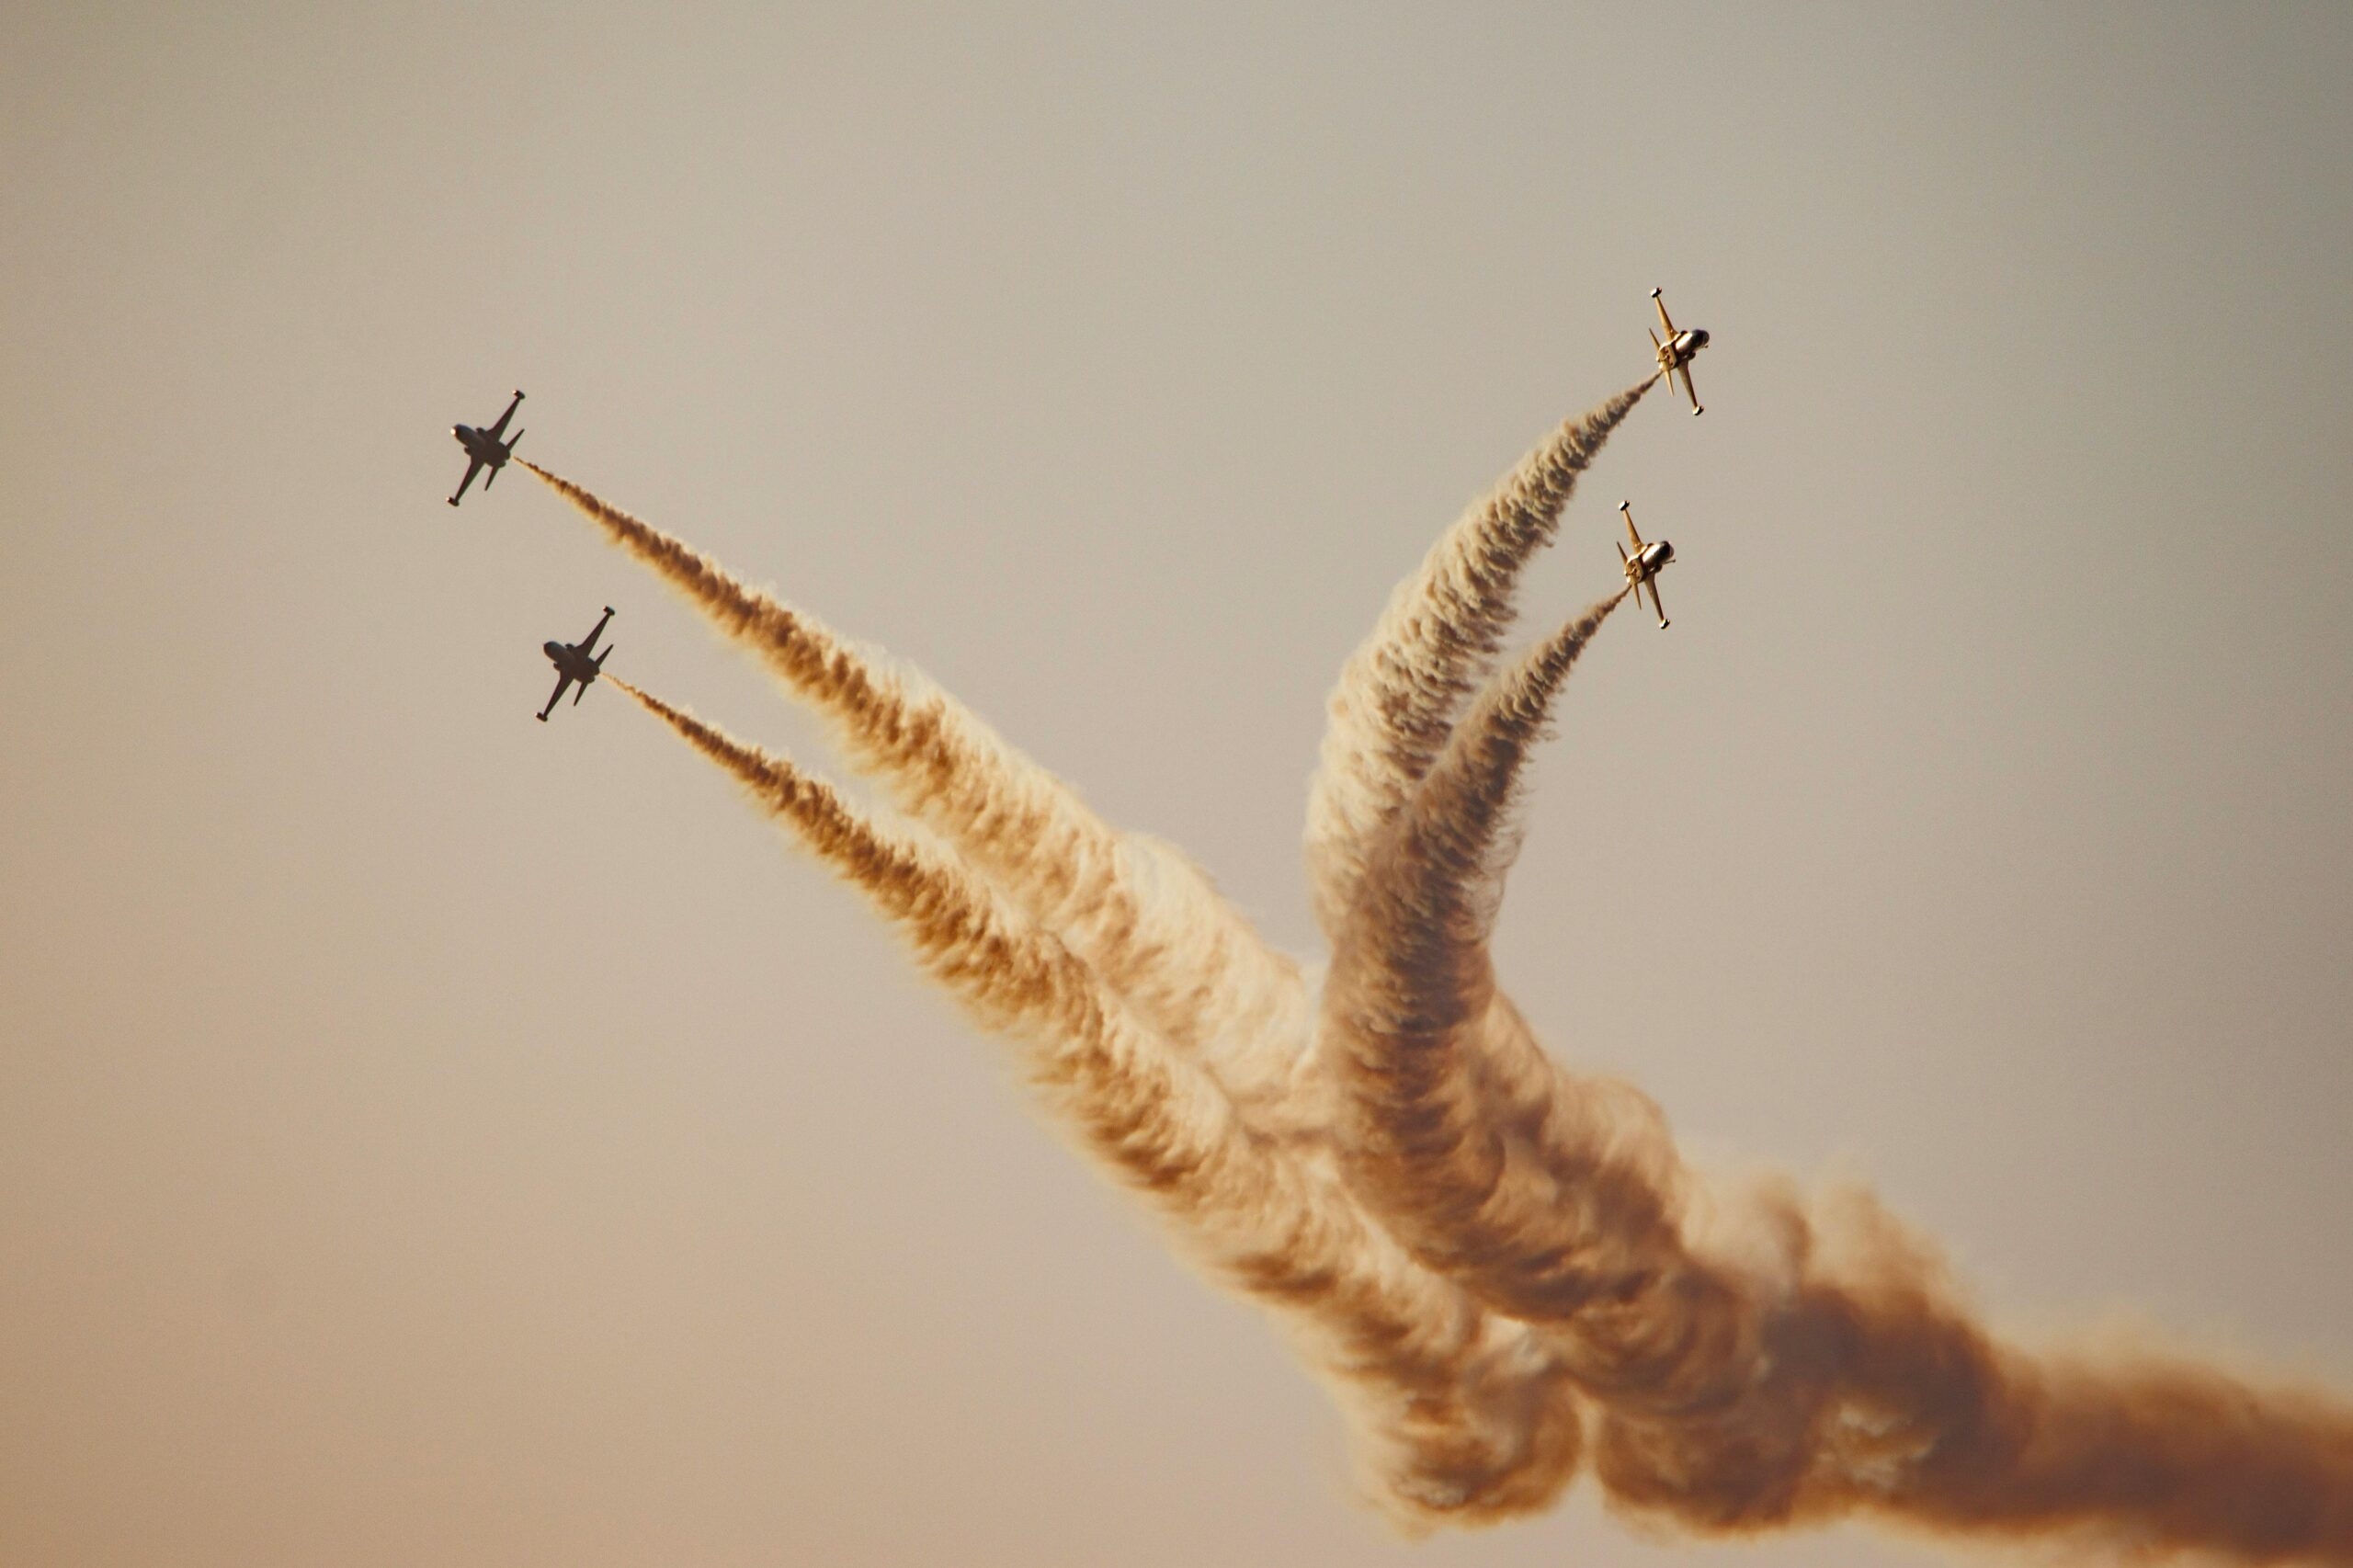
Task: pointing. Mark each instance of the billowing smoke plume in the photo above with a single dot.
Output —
(1820, 1367)
(1503, 1269)
(1440, 1388)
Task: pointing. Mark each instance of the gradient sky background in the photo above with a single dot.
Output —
(426, 1136)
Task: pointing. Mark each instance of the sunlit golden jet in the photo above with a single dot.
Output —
(1675, 354)
(1644, 566)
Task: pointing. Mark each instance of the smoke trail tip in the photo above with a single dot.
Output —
(647, 700)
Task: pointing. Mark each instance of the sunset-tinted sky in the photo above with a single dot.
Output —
(429, 1136)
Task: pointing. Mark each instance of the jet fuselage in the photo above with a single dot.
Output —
(479, 446)
(1677, 350)
(568, 658)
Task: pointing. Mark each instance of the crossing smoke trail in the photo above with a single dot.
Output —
(1440, 1390)
(1830, 1369)
(1502, 1269)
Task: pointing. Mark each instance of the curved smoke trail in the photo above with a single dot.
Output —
(1575, 1208)
(1497, 1266)
(1396, 698)
(1828, 1371)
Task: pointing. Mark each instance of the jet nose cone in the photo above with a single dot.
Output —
(553, 650)
(1699, 337)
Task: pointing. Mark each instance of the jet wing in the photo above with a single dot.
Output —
(473, 467)
(1688, 390)
(1660, 301)
(563, 683)
(588, 643)
(495, 431)
(1658, 608)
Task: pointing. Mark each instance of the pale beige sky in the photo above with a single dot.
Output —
(426, 1136)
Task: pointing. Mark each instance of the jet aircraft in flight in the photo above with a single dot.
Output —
(1644, 566)
(1675, 353)
(575, 662)
(484, 449)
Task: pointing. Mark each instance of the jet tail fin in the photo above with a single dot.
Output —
(510, 442)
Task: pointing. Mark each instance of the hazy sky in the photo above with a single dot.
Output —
(427, 1136)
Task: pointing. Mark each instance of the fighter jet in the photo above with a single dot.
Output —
(1675, 353)
(575, 662)
(484, 449)
(1644, 565)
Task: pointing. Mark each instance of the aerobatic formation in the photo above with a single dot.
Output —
(1504, 1271)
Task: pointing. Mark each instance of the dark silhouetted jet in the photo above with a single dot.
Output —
(484, 449)
(1642, 567)
(575, 662)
